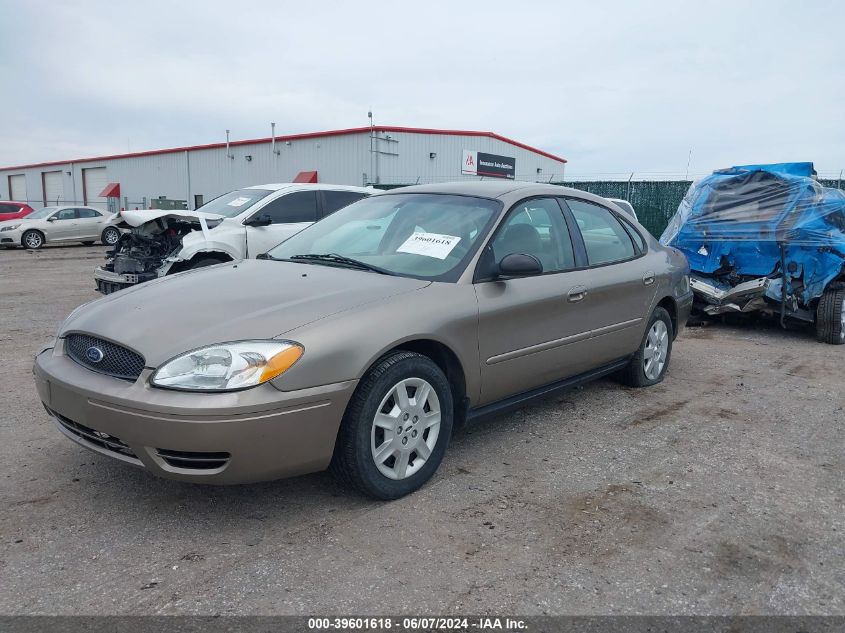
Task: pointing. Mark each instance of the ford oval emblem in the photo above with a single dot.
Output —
(94, 354)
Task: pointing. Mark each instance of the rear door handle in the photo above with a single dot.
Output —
(576, 294)
(648, 278)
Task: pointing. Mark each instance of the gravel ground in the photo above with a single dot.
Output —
(719, 491)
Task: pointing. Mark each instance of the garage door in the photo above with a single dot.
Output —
(17, 188)
(54, 191)
(94, 180)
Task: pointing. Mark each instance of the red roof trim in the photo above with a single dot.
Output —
(296, 137)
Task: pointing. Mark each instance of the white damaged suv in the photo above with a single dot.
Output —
(238, 225)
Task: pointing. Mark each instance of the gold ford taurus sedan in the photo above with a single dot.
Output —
(362, 342)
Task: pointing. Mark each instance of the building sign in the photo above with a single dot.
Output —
(476, 163)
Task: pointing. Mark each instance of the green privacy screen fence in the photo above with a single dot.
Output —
(654, 200)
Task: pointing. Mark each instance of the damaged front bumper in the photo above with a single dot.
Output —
(109, 282)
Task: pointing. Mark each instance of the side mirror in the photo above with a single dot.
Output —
(52, 218)
(520, 265)
(259, 220)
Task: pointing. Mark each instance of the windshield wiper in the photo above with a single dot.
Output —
(342, 260)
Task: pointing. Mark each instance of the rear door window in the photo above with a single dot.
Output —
(88, 213)
(299, 206)
(605, 239)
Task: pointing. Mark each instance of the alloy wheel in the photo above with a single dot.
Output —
(111, 236)
(33, 240)
(405, 428)
(656, 350)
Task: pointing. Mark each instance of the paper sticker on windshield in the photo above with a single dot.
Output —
(430, 245)
(239, 202)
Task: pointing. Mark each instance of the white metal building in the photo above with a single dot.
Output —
(368, 155)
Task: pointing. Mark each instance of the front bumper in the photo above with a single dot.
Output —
(227, 438)
(108, 282)
(11, 238)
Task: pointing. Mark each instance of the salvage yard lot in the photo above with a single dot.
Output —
(718, 491)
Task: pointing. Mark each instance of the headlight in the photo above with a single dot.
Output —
(228, 366)
(9, 228)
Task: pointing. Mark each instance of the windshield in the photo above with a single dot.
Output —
(422, 235)
(235, 202)
(41, 213)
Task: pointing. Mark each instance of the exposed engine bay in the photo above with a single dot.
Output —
(142, 254)
(149, 249)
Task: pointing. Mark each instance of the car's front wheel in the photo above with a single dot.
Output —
(396, 428)
(32, 239)
(649, 363)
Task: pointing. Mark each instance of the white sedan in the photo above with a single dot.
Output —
(60, 224)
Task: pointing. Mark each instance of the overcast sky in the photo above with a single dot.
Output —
(614, 87)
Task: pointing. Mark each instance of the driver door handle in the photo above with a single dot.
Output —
(576, 294)
(648, 278)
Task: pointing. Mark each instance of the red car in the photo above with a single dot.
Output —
(13, 210)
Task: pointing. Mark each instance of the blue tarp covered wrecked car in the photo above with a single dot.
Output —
(764, 238)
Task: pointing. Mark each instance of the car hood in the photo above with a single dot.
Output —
(137, 218)
(23, 220)
(250, 299)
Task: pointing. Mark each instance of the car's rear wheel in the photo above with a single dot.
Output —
(648, 366)
(110, 236)
(32, 239)
(830, 317)
(396, 428)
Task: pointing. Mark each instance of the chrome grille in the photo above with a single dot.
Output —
(116, 360)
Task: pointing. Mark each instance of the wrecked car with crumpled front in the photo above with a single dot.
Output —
(240, 224)
(766, 239)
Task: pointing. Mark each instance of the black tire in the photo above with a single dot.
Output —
(32, 239)
(89, 243)
(830, 327)
(353, 463)
(634, 374)
(203, 262)
(110, 236)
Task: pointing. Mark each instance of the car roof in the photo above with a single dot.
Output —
(491, 188)
(278, 186)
